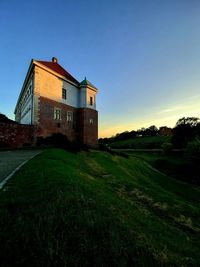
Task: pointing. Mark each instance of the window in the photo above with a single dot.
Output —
(91, 121)
(69, 116)
(57, 114)
(64, 93)
(91, 101)
(30, 88)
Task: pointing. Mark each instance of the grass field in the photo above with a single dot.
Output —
(145, 142)
(175, 164)
(97, 209)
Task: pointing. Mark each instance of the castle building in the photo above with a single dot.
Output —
(54, 101)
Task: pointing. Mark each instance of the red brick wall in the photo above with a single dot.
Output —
(47, 124)
(80, 129)
(17, 135)
(88, 131)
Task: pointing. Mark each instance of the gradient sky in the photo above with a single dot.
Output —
(143, 55)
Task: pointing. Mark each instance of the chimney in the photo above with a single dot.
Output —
(54, 59)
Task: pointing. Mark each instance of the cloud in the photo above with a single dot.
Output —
(172, 109)
(167, 116)
(187, 106)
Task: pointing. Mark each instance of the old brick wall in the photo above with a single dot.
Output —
(88, 126)
(83, 128)
(48, 125)
(17, 135)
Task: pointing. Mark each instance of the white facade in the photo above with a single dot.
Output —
(72, 95)
(88, 97)
(42, 81)
(82, 102)
(25, 105)
(91, 95)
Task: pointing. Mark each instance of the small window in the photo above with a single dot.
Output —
(91, 101)
(64, 93)
(58, 125)
(69, 116)
(91, 121)
(57, 114)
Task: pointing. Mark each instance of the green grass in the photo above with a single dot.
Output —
(146, 142)
(176, 165)
(97, 209)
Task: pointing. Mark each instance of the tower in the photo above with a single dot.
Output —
(88, 115)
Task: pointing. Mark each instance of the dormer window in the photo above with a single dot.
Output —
(64, 93)
(91, 101)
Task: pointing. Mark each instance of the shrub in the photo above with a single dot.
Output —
(59, 140)
(3, 145)
(167, 148)
(193, 149)
(104, 147)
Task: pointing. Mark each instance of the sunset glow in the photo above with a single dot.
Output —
(142, 55)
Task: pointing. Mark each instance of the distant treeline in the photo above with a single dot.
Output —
(150, 131)
(187, 129)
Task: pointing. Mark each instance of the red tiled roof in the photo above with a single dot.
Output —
(57, 68)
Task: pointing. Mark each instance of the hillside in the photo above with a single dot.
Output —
(175, 164)
(97, 209)
(145, 142)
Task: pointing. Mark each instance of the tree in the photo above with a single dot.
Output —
(152, 130)
(184, 131)
(192, 121)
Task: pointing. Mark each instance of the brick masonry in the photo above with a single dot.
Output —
(83, 128)
(88, 126)
(17, 135)
(48, 125)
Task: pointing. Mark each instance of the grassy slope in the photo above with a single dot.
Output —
(175, 165)
(94, 209)
(142, 142)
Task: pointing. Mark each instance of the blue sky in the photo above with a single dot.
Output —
(144, 56)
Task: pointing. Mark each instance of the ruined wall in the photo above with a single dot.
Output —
(17, 135)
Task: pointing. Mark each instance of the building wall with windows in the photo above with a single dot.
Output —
(88, 125)
(72, 95)
(48, 85)
(57, 103)
(91, 99)
(65, 122)
(25, 106)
